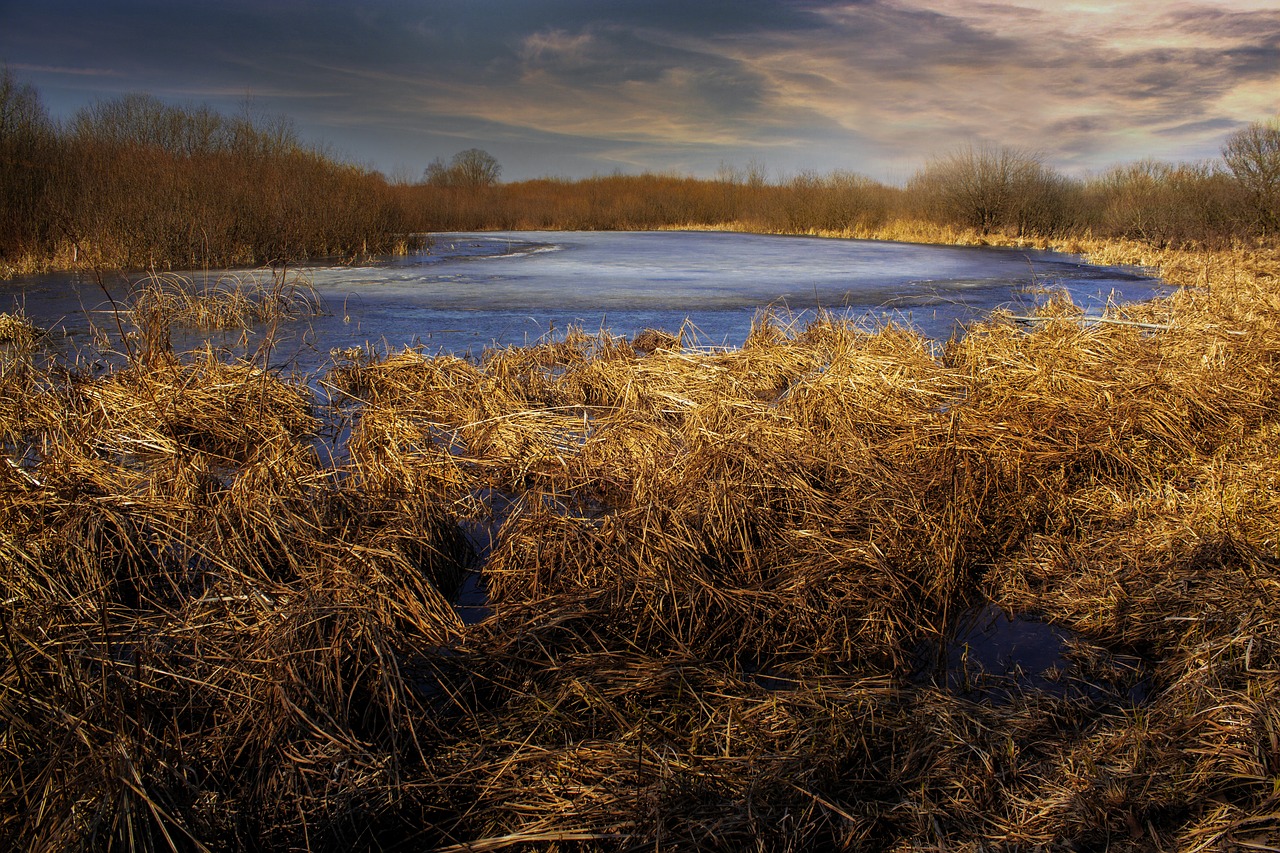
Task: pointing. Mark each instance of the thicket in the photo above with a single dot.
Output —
(27, 165)
(136, 183)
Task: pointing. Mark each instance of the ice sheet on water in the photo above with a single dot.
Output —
(470, 291)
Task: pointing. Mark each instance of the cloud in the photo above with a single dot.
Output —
(1072, 84)
(855, 84)
(556, 46)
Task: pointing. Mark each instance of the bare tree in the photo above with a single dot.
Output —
(147, 122)
(473, 168)
(988, 188)
(1164, 203)
(476, 168)
(437, 173)
(1253, 156)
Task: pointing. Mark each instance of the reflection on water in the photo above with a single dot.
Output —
(467, 292)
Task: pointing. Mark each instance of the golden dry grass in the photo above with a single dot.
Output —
(231, 302)
(715, 576)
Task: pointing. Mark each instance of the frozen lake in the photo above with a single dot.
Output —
(467, 292)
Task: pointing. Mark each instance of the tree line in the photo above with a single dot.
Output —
(136, 183)
(987, 189)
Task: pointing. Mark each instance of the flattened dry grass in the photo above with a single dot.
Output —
(718, 583)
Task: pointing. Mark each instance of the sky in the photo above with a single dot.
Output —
(572, 88)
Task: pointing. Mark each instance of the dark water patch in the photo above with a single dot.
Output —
(471, 601)
(758, 670)
(445, 247)
(481, 530)
(483, 527)
(994, 656)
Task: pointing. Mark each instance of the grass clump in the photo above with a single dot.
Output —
(232, 302)
(20, 377)
(208, 636)
(17, 331)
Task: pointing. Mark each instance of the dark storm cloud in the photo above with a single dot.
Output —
(575, 86)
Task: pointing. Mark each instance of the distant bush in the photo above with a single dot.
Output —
(993, 189)
(1165, 204)
(133, 182)
(839, 202)
(471, 168)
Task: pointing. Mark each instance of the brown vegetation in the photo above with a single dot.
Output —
(136, 184)
(972, 194)
(230, 302)
(717, 585)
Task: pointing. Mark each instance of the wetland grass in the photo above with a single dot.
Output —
(17, 331)
(719, 586)
(231, 302)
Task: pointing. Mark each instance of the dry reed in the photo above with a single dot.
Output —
(719, 582)
(231, 302)
(17, 331)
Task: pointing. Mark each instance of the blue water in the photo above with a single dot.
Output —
(467, 292)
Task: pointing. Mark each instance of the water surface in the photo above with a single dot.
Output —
(466, 292)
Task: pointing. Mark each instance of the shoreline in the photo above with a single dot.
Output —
(66, 259)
